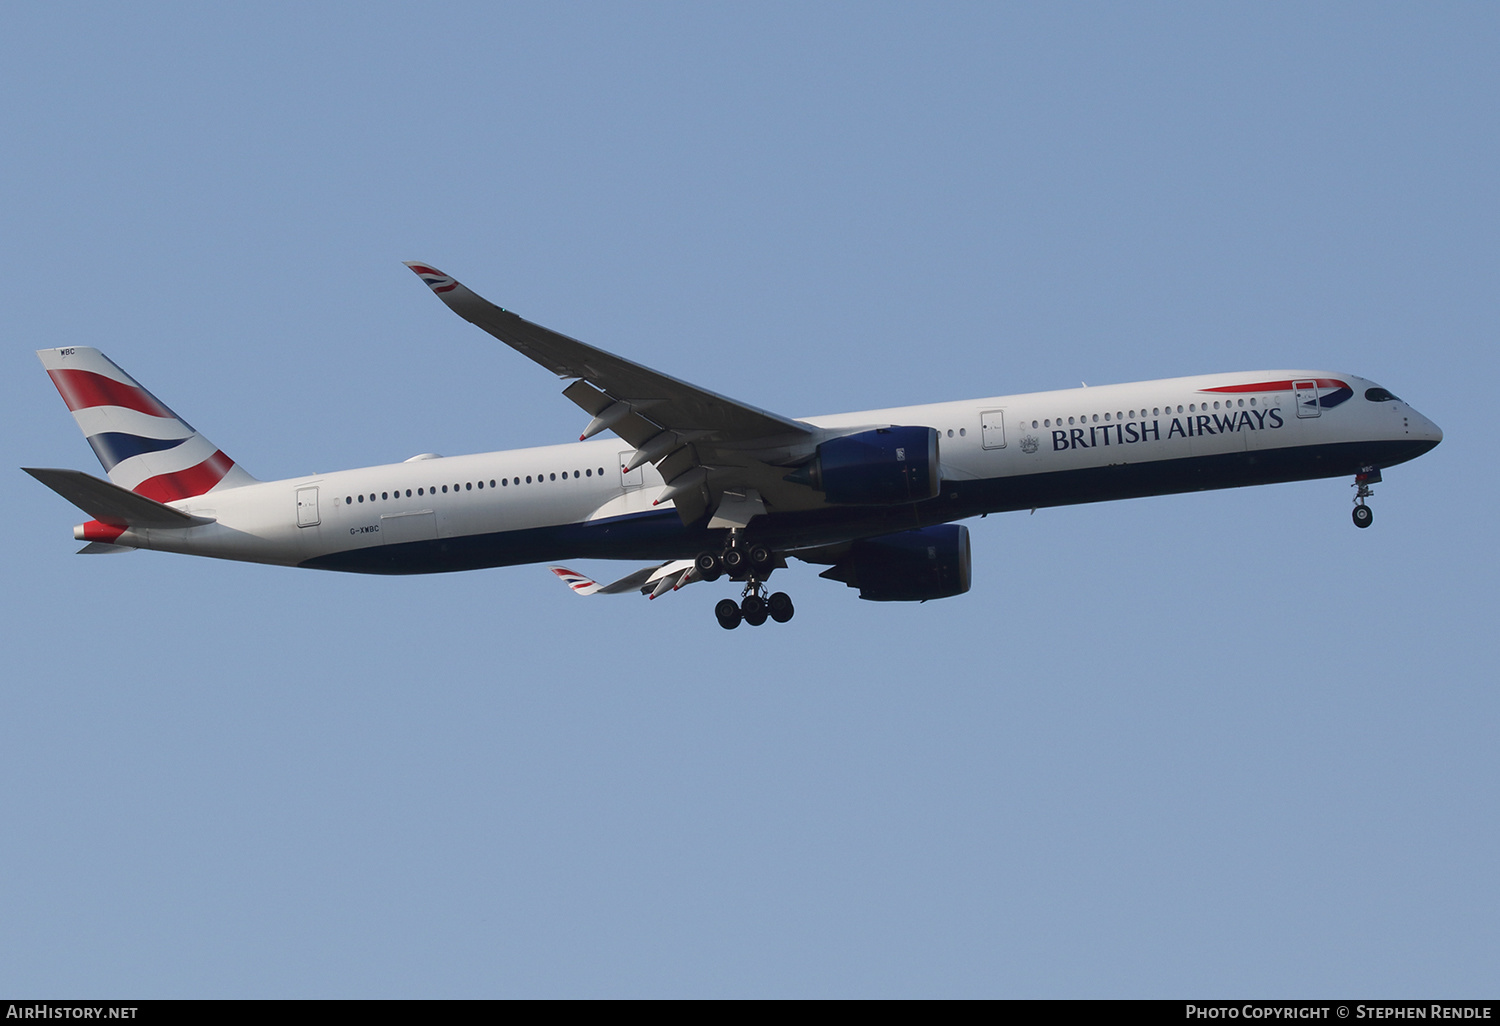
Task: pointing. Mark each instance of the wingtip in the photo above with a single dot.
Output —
(435, 279)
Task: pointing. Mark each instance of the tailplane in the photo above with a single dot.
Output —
(144, 447)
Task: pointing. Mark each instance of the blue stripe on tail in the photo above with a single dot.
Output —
(113, 447)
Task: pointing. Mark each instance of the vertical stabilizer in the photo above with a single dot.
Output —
(143, 446)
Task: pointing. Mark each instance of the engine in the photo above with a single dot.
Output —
(912, 566)
(874, 468)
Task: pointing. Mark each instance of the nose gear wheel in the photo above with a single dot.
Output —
(1363, 515)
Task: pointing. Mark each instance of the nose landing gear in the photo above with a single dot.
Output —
(1363, 515)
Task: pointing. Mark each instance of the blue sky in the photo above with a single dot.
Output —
(1206, 745)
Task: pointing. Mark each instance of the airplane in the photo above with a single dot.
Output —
(706, 487)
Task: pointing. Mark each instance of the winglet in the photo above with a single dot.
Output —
(580, 584)
(436, 280)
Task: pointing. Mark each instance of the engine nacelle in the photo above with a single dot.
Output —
(912, 566)
(875, 468)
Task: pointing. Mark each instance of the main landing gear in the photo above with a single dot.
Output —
(751, 564)
(1363, 515)
(754, 608)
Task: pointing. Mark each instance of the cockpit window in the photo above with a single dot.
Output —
(1380, 395)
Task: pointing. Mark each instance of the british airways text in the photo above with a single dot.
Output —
(1129, 433)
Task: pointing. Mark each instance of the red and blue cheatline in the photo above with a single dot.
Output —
(1330, 391)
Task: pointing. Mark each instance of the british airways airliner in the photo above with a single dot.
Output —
(706, 487)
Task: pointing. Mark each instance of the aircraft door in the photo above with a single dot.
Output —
(992, 428)
(633, 478)
(1305, 395)
(307, 507)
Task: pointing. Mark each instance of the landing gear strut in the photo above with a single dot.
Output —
(1363, 515)
(751, 564)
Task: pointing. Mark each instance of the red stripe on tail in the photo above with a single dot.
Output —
(186, 483)
(83, 390)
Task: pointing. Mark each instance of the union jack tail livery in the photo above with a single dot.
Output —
(144, 447)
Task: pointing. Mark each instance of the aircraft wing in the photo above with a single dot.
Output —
(650, 581)
(702, 442)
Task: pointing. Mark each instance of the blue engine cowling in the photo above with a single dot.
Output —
(912, 566)
(875, 468)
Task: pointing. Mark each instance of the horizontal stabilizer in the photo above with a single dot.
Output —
(110, 504)
(104, 549)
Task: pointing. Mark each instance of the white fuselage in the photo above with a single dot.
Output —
(999, 453)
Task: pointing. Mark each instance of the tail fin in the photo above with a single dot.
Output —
(144, 447)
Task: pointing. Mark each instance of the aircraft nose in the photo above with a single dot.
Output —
(1424, 429)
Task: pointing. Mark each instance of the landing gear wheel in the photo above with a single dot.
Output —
(780, 605)
(734, 560)
(1363, 516)
(760, 560)
(728, 614)
(753, 609)
(710, 568)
